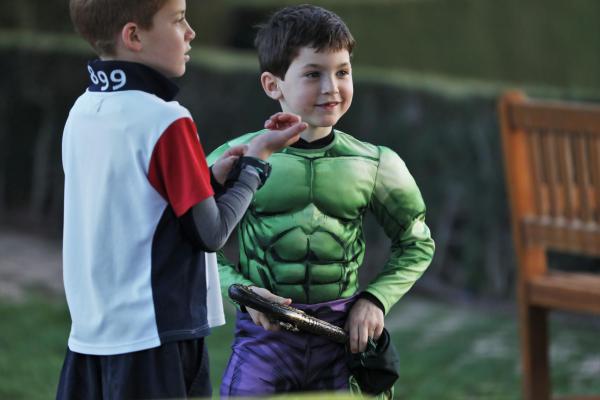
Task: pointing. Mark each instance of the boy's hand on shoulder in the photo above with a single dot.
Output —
(284, 129)
(223, 165)
(261, 319)
(365, 320)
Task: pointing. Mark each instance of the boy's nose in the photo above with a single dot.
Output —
(191, 34)
(329, 86)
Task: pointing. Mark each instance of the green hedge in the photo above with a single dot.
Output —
(542, 42)
(523, 41)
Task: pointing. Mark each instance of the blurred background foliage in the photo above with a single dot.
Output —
(427, 77)
(541, 42)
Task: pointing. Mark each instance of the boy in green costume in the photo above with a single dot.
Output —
(301, 240)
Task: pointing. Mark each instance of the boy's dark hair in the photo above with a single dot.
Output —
(99, 21)
(280, 38)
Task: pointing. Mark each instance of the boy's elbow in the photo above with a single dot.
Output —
(213, 243)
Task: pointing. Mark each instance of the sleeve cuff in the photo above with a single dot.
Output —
(372, 299)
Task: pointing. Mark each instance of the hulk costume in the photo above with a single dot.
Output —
(302, 238)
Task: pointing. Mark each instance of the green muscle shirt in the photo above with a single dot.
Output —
(302, 235)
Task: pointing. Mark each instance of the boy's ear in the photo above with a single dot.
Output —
(130, 37)
(270, 85)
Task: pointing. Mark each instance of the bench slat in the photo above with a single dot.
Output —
(542, 115)
(560, 235)
(566, 291)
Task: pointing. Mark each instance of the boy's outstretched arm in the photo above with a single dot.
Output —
(399, 208)
(210, 222)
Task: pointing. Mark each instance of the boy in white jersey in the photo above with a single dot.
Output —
(141, 215)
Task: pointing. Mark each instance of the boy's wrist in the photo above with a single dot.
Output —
(261, 167)
(258, 153)
(370, 297)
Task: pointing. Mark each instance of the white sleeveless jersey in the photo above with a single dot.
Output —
(133, 165)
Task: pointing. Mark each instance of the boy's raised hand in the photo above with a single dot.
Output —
(364, 321)
(284, 129)
(260, 318)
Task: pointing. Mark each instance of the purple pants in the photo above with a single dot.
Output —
(264, 362)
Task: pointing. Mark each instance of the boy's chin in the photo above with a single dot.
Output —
(328, 122)
(177, 74)
(174, 72)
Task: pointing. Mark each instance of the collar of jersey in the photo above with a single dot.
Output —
(137, 77)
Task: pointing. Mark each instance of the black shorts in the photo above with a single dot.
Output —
(173, 370)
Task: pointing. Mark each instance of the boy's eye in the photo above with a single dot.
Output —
(312, 75)
(343, 73)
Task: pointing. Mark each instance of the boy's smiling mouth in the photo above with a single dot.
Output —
(328, 105)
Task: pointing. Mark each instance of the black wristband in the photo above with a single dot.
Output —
(263, 169)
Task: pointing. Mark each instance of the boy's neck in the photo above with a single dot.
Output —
(122, 54)
(119, 56)
(313, 133)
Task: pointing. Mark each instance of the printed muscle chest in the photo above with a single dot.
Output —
(338, 187)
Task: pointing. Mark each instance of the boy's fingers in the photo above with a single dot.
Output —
(281, 121)
(273, 326)
(266, 323)
(280, 300)
(363, 338)
(254, 315)
(359, 336)
(270, 296)
(264, 145)
(378, 332)
(238, 150)
(284, 117)
(354, 339)
(299, 127)
(262, 321)
(289, 135)
(230, 160)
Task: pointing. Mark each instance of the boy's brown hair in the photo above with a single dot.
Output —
(281, 37)
(99, 21)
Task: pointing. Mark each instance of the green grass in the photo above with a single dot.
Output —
(219, 343)
(454, 353)
(447, 352)
(32, 347)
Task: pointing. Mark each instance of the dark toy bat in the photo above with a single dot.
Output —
(289, 318)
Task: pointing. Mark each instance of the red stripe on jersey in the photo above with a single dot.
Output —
(178, 169)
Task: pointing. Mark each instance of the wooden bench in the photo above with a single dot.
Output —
(552, 168)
